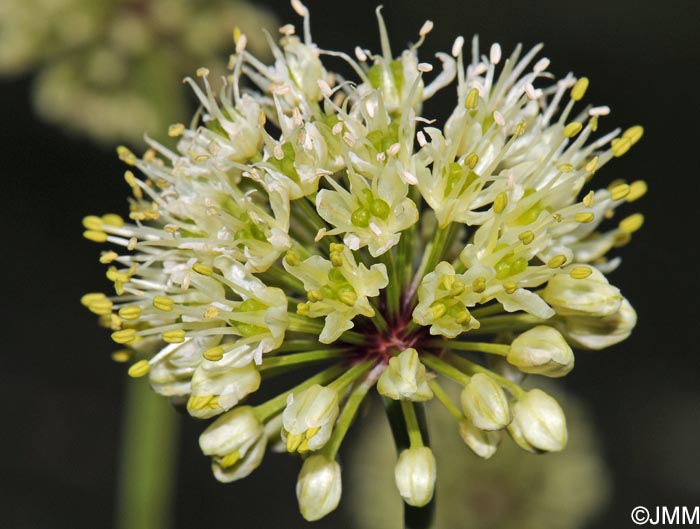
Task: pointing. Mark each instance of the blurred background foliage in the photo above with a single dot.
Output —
(79, 76)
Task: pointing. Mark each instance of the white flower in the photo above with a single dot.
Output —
(318, 487)
(541, 350)
(482, 442)
(539, 423)
(485, 403)
(308, 418)
(404, 378)
(415, 475)
(589, 296)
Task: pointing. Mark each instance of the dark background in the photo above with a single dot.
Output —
(62, 396)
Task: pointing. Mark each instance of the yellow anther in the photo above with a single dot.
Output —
(572, 129)
(163, 303)
(348, 297)
(130, 179)
(130, 312)
(149, 155)
(100, 307)
(115, 322)
(91, 297)
(292, 258)
(92, 222)
(565, 167)
(593, 123)
(471, 160)
(438, 309)
(95, 236)
(174, 336)
(592, 165)
(621, 238)
(236, 34)
(463, 317)
(124, 336)
(314, 295)
(456, 289)
(637, 190)
(303, 309)
(472, 100)
(112, 219)
(510, 287)
(632, 223)
(175, 130)
(519, 129)
(619, 192)
(214, 354)
(500, 203)
(634, 134)
(139, 369)
(312, 431)
(584, 217)
(526, 237)
(211, 313)
(133, 241)
(202, 71)
(123, 355)
(203, 269)
(556, 261)
(230, 459)
(620, 146)
(293, 441)
(115, 275)
(303, 448)
(108, 257)
(588, 199)
(200, 402)
(479, 285)
(126, 156)
(447, 282)
(580, 272)
(579, 89)
(336, 247)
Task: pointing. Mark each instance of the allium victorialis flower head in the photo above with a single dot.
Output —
(306, 218)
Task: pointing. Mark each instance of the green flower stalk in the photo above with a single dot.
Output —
(305, 219)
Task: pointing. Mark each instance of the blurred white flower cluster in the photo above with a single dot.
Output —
(106, 68)
(311, 219)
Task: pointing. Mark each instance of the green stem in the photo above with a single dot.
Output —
(148, 460)
(480, 347)
(496, 308)
(276, 404)
(348, 414)
(393, 290)
(302, 358)
(445, 400)
(446, 369)
(414, 517)
(474, 368)
(351, 374)
(409, 415)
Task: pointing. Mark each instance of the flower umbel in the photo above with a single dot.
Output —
(305, 219)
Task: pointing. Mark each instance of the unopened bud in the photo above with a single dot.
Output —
(485, 403)
(539, 423)
(404, 378)
(541, 350)
(318, 487)
(415, 474)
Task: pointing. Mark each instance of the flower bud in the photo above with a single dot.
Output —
(590, 296)
(485, 403)
(236, 443)
(543, 351)
(404, 378)
(415, 475)
(482, 443)
(318, 487)
(598, 333)
(309, 417)
(539, 423)
(214, 393)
